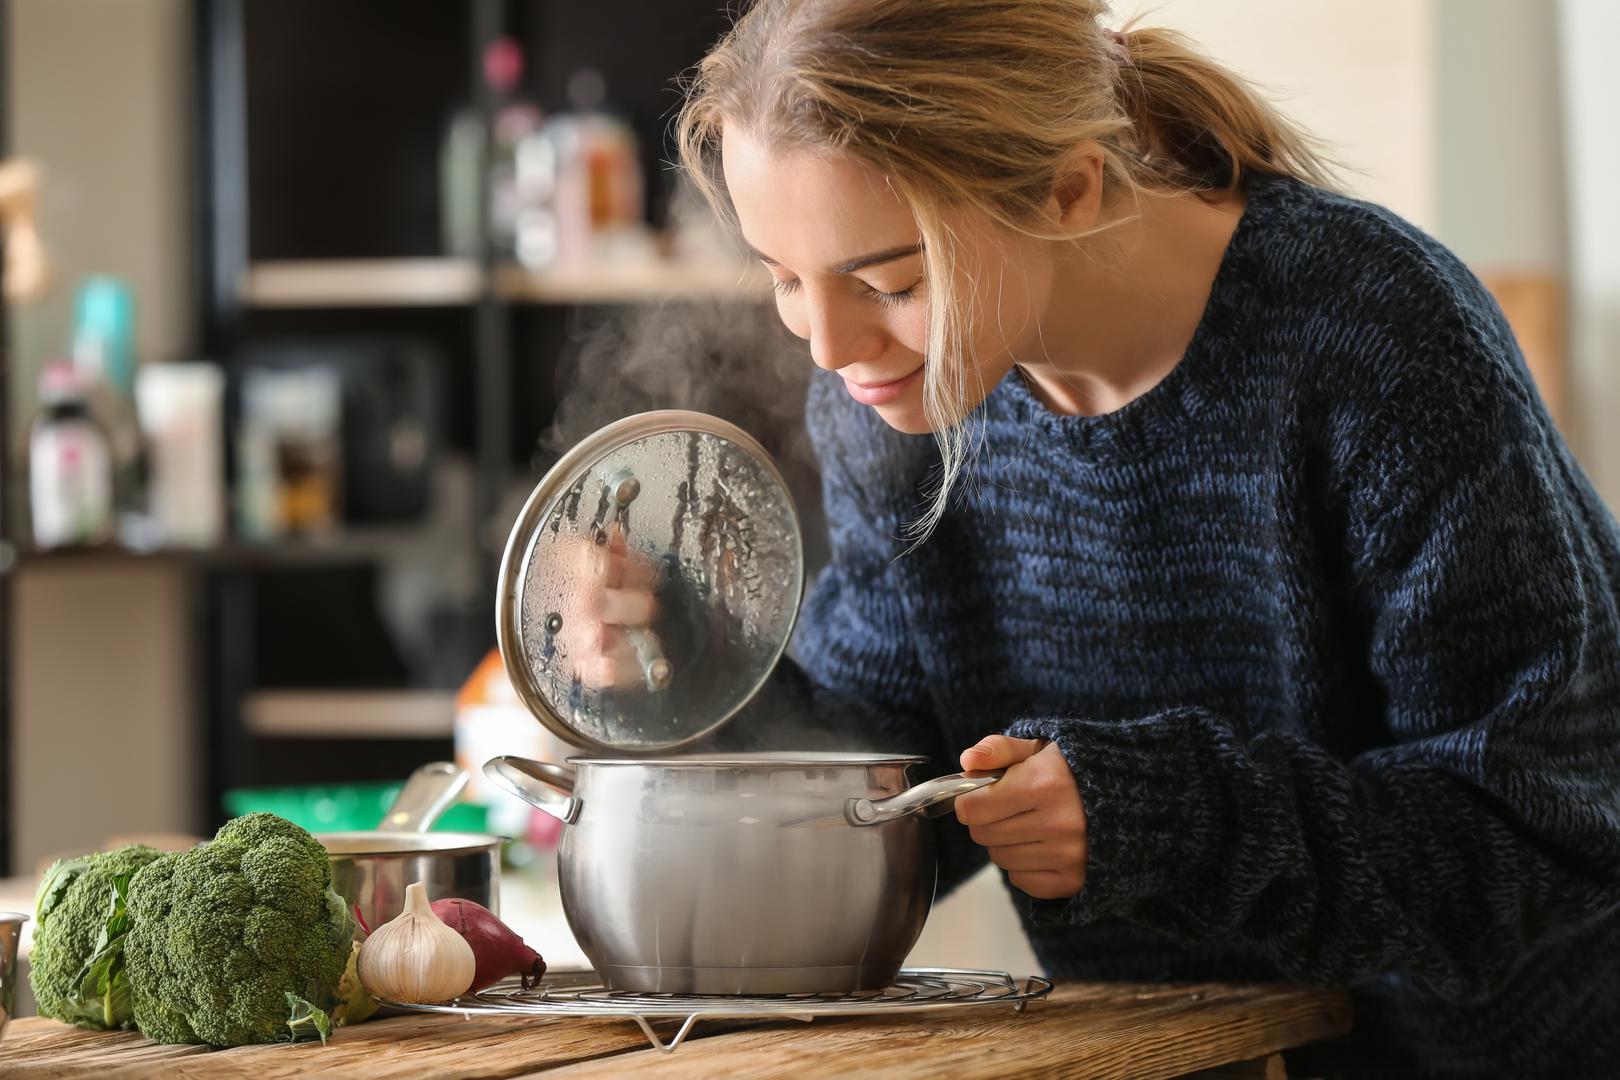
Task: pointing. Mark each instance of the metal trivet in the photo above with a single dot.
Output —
(581, 993)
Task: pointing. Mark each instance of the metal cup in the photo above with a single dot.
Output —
(11, 923)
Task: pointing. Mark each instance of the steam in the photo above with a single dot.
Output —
(732, 360)
(738, 362)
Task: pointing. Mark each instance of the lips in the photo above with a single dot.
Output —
(881, 393)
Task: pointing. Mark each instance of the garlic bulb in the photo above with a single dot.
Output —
(414, 957)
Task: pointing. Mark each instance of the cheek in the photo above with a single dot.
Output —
(1013, 326)
(791, 311)
(908, 326)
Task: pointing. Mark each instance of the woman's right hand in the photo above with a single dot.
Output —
(615, 598)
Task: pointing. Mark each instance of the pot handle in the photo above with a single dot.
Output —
(933, 796)
(427, 794)
(538, 783)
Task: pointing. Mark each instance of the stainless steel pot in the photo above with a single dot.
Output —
(370, 870)
(746, 874)
(753, 874)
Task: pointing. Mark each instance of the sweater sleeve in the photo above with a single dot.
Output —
(1486, 819)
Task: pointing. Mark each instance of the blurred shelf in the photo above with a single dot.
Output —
(360, 283)
(350, 714)
(448, 282)
(359, 545)
(634, 283)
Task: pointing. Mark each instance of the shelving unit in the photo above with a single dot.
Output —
(444, 282)
(317, 217)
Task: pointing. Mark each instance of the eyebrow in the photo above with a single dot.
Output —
(858, 263)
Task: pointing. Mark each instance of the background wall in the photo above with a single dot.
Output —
(1587, 32)
(1359, 76)
(1498, 151)
(99, 98)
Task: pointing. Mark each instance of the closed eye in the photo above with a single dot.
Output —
(789, 286)
(891, 299)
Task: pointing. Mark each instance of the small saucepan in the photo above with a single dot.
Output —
(371, 869)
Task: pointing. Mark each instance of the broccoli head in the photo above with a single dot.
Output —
(222, 934)
(76, 968)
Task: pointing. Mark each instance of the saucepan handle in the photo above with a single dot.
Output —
(541, 784)
(932, 796)
(427, 794)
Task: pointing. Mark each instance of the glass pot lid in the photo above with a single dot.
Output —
(681, 505)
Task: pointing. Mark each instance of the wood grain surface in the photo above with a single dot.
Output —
(1093, 1030)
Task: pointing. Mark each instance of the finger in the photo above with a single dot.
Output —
(628, 607)
(615, 667)
(1007, 797)
(1022, 828)
(998, 752)
(600, 672)
(1047, 884)
(583, 631)
(610, 559)
(638, 572)
(1023, 857)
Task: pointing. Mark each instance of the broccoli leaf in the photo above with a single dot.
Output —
(53, 886)
(77, 966)
(305, 1021)
(103, 998)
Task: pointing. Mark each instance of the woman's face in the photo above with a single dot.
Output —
(844, 253)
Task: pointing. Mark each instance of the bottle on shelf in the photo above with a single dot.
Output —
(599, 190)
(290, 453)
(180, 407)
(70, 469)
(103, 348)
(517, 191)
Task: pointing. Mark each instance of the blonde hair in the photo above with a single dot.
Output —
(978, 105)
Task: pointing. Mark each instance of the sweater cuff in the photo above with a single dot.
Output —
(1152, 809)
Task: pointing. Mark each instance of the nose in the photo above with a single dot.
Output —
(839, 336)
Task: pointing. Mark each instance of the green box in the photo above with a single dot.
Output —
(344, 807)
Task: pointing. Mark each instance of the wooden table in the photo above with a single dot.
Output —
(1088, 1030)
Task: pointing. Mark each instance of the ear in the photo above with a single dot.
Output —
(1076, 201)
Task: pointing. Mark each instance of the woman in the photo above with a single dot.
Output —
(1248, 551)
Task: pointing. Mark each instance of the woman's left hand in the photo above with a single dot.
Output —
(1032, 820)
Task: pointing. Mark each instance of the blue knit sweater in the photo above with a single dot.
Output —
(1326, 626)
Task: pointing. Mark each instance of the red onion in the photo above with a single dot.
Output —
(498, 950)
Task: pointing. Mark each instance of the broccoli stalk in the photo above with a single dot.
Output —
(221, 935)
(305, 1021)
(354, 1002)
(77, 967)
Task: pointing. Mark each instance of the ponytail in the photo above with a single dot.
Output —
(1196, 125)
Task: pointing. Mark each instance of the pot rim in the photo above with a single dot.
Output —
(761, 760)
(405, 845)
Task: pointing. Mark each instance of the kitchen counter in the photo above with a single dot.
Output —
(1083, 1029)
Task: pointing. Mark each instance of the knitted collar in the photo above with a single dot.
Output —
(1167, 409)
